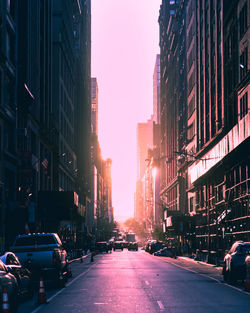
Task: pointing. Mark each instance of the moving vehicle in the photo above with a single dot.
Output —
(22, 274)
(102, 246)
(133, 246)
(130, 237)
(118, 245)
(234, 266)
(43, 254)
(8, 281)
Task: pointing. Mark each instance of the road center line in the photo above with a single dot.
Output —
(161, 306)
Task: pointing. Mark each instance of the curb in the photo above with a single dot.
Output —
(78, 259)
(199, 262)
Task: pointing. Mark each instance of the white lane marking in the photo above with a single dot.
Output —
(100, 303)
(161, 306)
(60, 291)
(146, 282)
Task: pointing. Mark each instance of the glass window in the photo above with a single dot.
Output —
(45, 240)
(25, 241)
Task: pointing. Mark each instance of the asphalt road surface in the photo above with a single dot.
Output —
(131, 282)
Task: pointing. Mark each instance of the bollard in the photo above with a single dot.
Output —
(41, 295)
(92, 257)
(5, 305)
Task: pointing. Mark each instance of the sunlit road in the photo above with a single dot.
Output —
(128, 282)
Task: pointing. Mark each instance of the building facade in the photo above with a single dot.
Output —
(205, 122)
(45, 110)
(8, 104)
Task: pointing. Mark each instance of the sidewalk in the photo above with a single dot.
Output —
(199, 267)
(199, 262)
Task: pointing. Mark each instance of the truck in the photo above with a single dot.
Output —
(44, 255)
(130, 237)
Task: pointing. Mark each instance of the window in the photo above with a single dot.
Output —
(191, 131)
(10, 90)
(191, 106)
(191, 204)
(243, 20)
(243, 64)
(243, 105)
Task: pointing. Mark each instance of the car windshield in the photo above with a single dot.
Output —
(244, 249)
(35, 240)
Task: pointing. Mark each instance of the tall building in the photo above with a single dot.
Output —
(45, 111)
(144, 142)
(205, 122)
(8, 104)
(173, 119)
(100, 213)
(220, 177)
(108, 164)
(156, 91)
(94, 106)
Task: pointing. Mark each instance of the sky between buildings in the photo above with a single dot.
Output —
(125, 41)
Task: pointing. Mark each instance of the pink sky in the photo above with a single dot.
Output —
(125, 42)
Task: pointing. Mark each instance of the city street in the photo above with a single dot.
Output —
(128, 282)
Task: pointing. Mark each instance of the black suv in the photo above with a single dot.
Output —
(118, 245)
(234, 267)
(102, 246)
(133, 246)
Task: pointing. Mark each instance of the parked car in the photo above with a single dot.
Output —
(22, 274)
(155, 246)
(133, 246)
(164, 252)
(234, 266)
(8, 281)
(44, 255)
(118, 245)
(101, 246)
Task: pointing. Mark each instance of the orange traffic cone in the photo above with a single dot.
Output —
(41, 295)
(247, 280)
(5, 301)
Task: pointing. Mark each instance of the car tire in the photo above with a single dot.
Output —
(225, 275)
(60, 280)
(231, 276)
(68, 271)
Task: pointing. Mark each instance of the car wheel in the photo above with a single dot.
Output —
(60, 280)
(231, 276)
(68, 270)
(225, 275)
